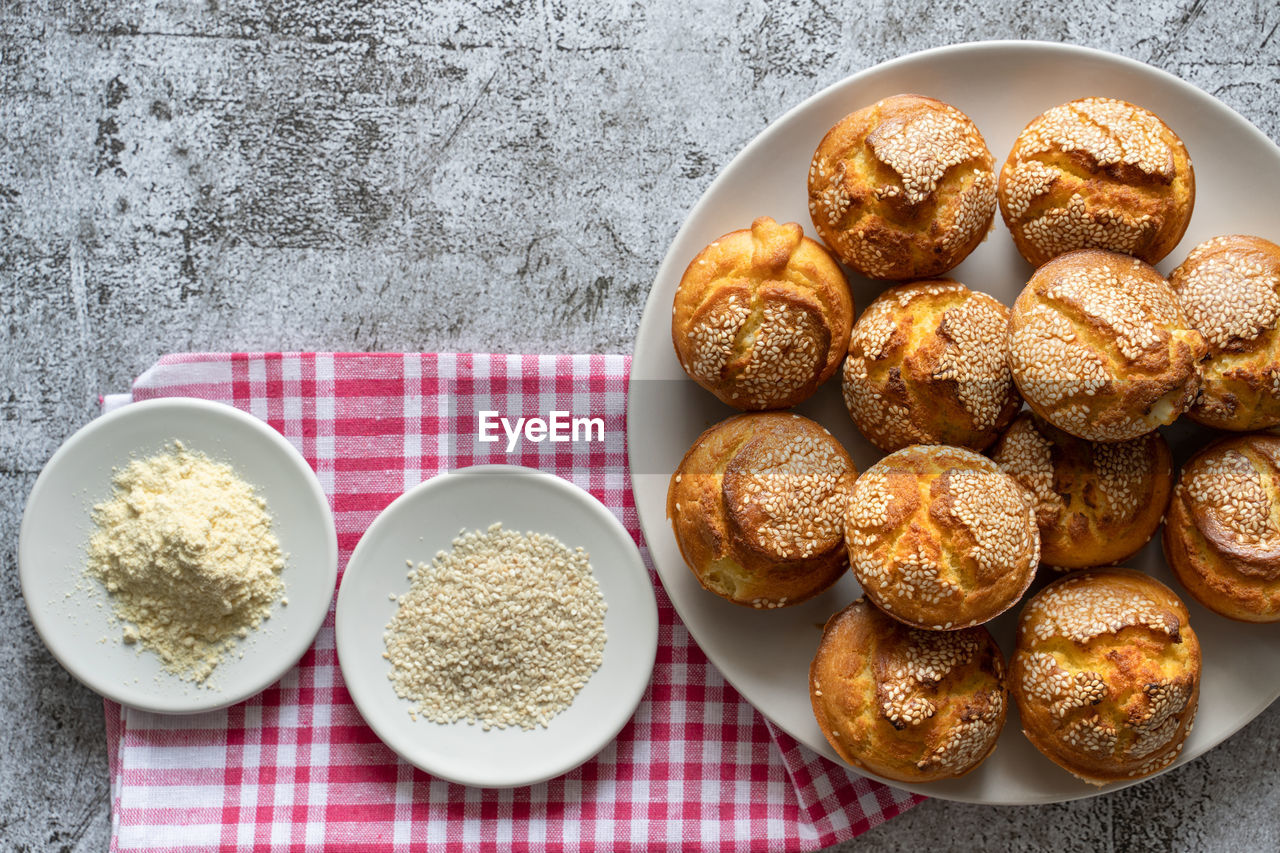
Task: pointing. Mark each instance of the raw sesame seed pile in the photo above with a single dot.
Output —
(502, 630)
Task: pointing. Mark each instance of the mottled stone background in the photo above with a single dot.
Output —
(411, 175)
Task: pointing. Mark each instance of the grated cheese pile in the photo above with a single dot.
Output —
(186, 552)
(502, 630)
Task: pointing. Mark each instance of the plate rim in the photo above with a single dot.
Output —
(605, 516)
(28, 562)
(1039, 50)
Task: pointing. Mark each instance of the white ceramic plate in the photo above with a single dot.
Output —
(1002, 86)
(422, 522)
(56, 528)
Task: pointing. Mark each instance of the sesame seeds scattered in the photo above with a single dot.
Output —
(1026, 455)
(1107, 131)
(800, 489)
(761, 316)
(971, 739)
(1079, 611)
(1063, 692)
(1077, 226)
(1229, 287)
(917, 566)
(910, 704)
(994, 510)
(786, 355)
(1096, 173)
(502, 630)
(936, 341)
(1028, 180)
(922, 147)
(868, 508)
(716, 337)
(868, 215)
(1051, 362)
(1228, 299)
(1100, 349)
(1106, 671)
(1123, 467)
(1091, 736)
(1100, 296)
(977, 357)
(1157, 721)
(1228, 485)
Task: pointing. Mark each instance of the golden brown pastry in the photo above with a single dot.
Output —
(1097, 173)
(1221, 537)
(902, 189)
(940, 537)
(906, 704)
(762, 316)
(1106, 674)
(928, 364)
(1229, 288)
(1099, 347)
(1096, 503)
(757, 506)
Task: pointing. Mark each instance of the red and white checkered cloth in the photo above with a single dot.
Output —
(297, 768)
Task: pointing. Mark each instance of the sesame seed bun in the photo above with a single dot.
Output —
(1097, 173)
(757, 506)
(940, 537)
(928, 365)
(902, 189)
(1099, 347)
(1106, 674)
(1229, 288)
(762, 317)
(1221, 537)
(1096, 503)
(906, 704)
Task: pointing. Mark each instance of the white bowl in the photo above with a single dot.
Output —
(72, 612)
(422, 522)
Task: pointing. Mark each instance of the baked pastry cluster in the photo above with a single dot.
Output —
(1095, 503)
(940, 537)
(768, 511)
(762, 316)
(1100, 348)
(1097, 173)
(907, 704)
(902, 189)
(928, 364)
(1229, 288)
(1106, 674)
(757, 506)
(1222, 538)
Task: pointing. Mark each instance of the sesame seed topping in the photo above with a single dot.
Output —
(1105, 701)
(924, 146)
(1228, 485)
(1096, 173)
(906, 564)
(767, 323)
(800, 490)
(1099, 347)
(935, 157)
(1080, 611)
(931, 340)
(1107, 131)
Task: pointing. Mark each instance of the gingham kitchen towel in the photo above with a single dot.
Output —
(297, 768)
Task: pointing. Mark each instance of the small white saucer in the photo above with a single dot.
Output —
(72, 613)
(422, 522)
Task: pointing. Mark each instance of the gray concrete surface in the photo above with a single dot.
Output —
(454, 175)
